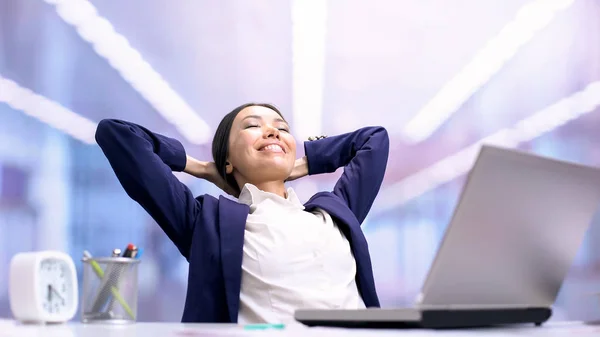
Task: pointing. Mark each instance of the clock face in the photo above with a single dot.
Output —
(55, 288)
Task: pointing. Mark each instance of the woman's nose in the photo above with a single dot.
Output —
(271, 132)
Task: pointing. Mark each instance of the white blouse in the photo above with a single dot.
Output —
(292, 259)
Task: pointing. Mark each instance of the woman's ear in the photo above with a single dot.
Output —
(228, 167)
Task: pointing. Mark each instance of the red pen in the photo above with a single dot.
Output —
(129, 251)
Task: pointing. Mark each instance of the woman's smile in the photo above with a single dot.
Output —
(274, 148)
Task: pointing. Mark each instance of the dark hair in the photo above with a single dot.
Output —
(220, 143)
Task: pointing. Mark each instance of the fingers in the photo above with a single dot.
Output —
(316, 138)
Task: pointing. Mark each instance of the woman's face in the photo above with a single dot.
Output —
(261, 148)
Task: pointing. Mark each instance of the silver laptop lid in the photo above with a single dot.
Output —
(514, 234)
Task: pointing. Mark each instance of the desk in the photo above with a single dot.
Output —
(9, 328)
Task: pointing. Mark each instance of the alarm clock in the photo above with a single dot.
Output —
(43, 287)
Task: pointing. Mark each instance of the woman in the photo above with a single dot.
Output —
(266, 255)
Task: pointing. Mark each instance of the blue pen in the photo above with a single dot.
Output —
(139, 253)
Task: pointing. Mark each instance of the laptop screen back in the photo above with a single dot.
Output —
(514, 234)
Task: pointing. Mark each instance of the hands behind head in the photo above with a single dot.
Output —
(208, 171)
(214, 177)
(300, 169)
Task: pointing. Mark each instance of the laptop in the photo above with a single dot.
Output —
(514, 234)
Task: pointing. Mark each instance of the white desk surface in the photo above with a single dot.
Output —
(10, 328)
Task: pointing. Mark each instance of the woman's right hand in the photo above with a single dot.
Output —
(215, 178)
(208, 171)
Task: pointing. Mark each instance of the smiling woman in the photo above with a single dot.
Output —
(241, 153)
(258, 258)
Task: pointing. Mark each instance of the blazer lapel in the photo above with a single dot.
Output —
(232, 222)
(351, 228)
(335, 207)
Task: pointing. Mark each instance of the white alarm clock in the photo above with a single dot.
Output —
(43, 287)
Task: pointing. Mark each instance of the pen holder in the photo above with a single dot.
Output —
(110, 290)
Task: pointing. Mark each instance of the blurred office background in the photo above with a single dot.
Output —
(441, 76)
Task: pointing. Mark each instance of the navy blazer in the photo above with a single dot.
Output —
(209, 232)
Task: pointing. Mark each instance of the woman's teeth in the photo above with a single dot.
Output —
(272, 148)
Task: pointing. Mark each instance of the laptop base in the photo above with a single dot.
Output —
(447, 319)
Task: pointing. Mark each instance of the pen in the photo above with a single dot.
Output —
(129, 250)
(98, 270)
(116, 252)
(264, 326)
(134, 253)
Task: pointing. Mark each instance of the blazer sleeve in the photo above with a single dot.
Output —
(363, 154)
(143, 162)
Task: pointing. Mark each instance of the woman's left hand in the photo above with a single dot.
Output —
(300, 169)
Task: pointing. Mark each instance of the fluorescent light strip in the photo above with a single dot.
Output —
(455, 165)
(115, 48)
(47, 111)
(530, 19)
(309, 24)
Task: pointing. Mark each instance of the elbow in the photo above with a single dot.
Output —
(105, 131)
(382, 135)
(382, 147)
(375, 136)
